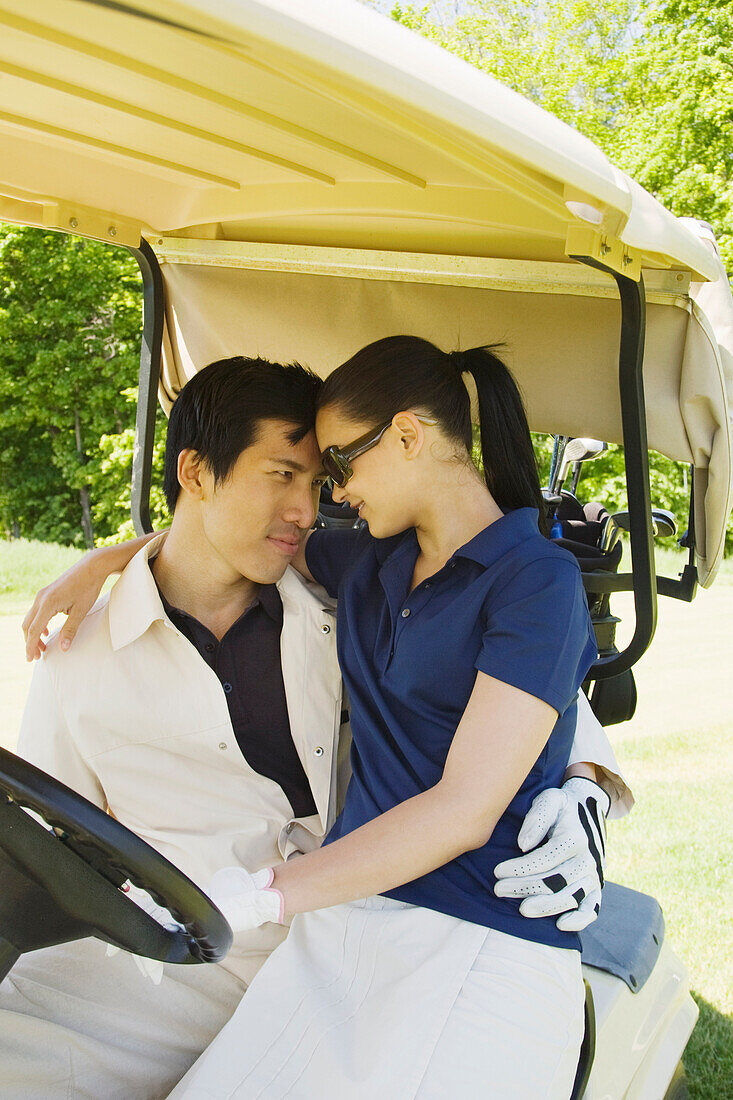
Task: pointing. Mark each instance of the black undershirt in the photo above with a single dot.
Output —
(247, 662)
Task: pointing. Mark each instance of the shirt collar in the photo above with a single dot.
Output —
(267, 598)
(492, 543)
(134, 602)
(484, 548)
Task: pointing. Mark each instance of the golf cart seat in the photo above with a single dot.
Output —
(627, 937)
(625, 942)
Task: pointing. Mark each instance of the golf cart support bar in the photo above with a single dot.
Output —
(149, 378)
(642, 580)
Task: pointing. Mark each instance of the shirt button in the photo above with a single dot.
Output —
(405, 613)
(227, 686)
(427, 584)
(209, 647)
(289, 827)
(222, 744)
(325, 629)
(318, 751)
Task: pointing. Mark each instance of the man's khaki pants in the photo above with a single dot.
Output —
(78, 1025)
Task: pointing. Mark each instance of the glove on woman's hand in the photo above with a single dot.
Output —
(565, 875)
(246, 900)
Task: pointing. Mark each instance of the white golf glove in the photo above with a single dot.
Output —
(246, 900)
(565, 875)
(150, 968)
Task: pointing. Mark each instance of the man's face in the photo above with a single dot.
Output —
(255, 520)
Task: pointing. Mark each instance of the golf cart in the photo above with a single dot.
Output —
(298, 180)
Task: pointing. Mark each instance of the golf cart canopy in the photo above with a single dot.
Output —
(307, 177)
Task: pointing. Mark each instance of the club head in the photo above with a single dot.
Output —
(579, 450)
(664, 523)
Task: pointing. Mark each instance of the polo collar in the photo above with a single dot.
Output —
(134, 602)
(485, 548)
(489, 545)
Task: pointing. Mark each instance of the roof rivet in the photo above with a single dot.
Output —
(112, 231)
(73, 223)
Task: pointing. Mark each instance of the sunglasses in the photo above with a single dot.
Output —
(337, 460)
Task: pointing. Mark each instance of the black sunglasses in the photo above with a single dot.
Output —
(337, 460)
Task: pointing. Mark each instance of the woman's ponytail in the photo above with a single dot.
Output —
(510, 466)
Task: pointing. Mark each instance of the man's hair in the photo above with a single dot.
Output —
(217, 414)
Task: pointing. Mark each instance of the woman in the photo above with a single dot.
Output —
(463, 638)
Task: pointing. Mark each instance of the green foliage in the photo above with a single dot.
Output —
(69, 347)
(110, 477)
(675, 135)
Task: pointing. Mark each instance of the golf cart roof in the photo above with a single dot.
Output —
(315, 176)
(277, 121)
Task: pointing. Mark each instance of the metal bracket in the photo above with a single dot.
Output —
(149, 378)
(608, 253)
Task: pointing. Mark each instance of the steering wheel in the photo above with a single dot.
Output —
(62, 883)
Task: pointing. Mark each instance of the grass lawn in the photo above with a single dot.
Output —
(677, 754)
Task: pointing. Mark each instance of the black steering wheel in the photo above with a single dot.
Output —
(62, 883)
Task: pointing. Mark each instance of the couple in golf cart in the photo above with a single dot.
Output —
(463, 640)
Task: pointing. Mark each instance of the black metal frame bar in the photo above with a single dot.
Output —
(149, 378)
(642, 580)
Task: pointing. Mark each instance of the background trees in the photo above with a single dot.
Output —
(70, 315)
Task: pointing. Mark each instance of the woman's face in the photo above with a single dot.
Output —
(381, 488)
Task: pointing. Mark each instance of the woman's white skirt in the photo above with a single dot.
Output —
(387, 1001)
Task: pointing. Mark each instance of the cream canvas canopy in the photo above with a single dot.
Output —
(312, 176)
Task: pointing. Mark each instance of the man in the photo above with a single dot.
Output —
(201, 705)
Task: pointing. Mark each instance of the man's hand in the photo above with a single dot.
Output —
(565, 875)
(246, 900)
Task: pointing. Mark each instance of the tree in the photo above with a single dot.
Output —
(675, 134)
(70, 314)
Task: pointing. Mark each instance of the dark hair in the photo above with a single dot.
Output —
(217, 414)
(405, 372)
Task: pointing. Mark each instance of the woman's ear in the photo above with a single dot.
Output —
(191, 473)
(411, 433)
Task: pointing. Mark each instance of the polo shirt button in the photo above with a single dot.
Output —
(209, 647)
(405, 612)
(318, 751)
(222, 744)
(227, 686)
(325, 629)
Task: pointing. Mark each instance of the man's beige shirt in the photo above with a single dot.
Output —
(133, 718)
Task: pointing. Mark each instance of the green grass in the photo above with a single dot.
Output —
(26, 566)
(678, 846)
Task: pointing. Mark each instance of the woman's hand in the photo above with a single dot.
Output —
(73, 594)
(247, 901)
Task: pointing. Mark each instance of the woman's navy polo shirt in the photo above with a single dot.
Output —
(509, 603)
